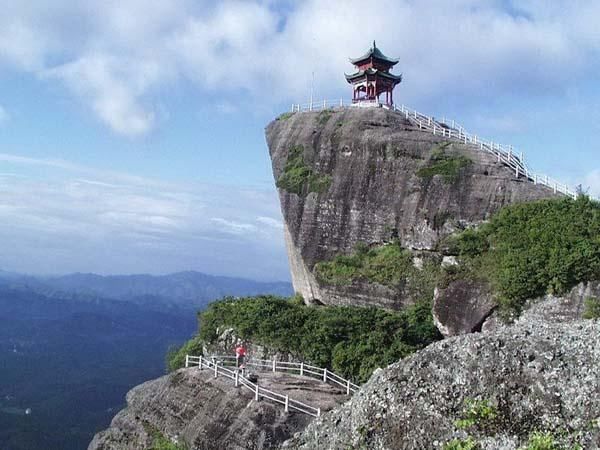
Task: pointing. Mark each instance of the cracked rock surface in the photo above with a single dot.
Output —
(537, 375)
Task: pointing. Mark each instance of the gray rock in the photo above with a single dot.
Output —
(462, 307)
(537, 376)
(373, 156)
(192, 408)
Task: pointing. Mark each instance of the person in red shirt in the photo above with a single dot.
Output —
(240, 354)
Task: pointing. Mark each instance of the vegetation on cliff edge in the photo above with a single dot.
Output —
(441, 163)
(530, 249)
(351, 341)
(298, 178)
(386, 264)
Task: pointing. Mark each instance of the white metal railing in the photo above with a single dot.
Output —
(240, 380)
(505, 154)
(302, 369)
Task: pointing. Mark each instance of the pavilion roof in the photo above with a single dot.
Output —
(374, 53)
(373, 71)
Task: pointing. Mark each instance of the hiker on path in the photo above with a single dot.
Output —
(240, 354)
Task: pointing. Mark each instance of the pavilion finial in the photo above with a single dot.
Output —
(374, 46)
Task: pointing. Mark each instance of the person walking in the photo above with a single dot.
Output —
(240, 354)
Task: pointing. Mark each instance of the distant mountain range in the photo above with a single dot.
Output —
(72, 346)
(182, 289)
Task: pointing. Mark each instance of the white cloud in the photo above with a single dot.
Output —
(116, 55)
(84, 219)
(270, 222)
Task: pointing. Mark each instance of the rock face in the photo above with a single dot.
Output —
(536, 376)
(462, 307)
(376, 193)
(192, 408)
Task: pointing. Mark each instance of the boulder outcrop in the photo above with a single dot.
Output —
(495, 390)
(348, 176)
(191, 408)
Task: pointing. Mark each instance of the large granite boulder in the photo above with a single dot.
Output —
(369, 188)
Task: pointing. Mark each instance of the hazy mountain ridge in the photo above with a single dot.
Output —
(183, 289)
(70, 353)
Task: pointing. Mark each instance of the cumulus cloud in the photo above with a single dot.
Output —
(116, 55)
(85, 219)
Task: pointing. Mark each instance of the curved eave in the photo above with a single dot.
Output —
(375, 55)
(362, 73)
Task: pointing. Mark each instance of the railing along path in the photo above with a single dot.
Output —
(218, 365)
(505, 154)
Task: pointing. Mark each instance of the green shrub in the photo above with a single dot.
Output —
(461, 444)
(285, 116)
(477, 413)
(387, 264)
(176, 356)
(530, 249)
(541, 441)
(448, 166)
(351, 341)
(324, 116)
(298, 178)
(160, 441)
(592, 308)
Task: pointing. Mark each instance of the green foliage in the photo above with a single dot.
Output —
(387, 264)
(175, 358)
(477, 413)
(298, 178)
(324, 116)
(351, 341)
(530, 249)
(440, 163)
(541, 441)
(592, 308)
(461, 444)
(285, 116)
(160, 441)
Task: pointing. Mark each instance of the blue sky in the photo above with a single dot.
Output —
(131, 132)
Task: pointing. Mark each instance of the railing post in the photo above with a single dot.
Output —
(318, 412)
(216, 370)
(325, 375)
(301, 369)
(347, 387)
(237, 377)
(434, 129)
(274, 364)
(517, 171)
(200, 363)
(287, 403)
(256, 393)
(187, 361)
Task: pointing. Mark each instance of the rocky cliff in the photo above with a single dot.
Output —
(193, 410)
(368, 175)
(535, 382)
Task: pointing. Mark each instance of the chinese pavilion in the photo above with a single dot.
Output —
(373, 77)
